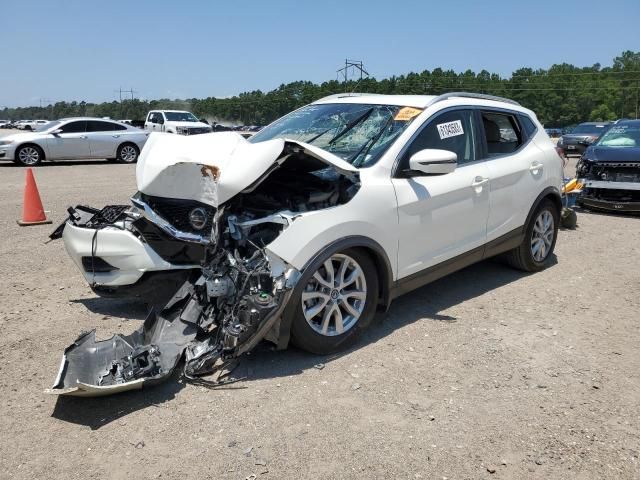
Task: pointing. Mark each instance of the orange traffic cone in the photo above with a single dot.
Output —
(32, 211)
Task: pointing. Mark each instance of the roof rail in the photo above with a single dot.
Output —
(447, 96)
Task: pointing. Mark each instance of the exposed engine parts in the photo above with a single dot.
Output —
(237, 299)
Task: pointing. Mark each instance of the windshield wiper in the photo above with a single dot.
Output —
(370, 143)
(348, 127)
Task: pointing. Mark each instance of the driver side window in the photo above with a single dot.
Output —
(452, 131)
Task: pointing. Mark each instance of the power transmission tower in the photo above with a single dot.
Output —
(355, 66)
(131, 91)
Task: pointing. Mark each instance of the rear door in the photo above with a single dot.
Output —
(104, 138)
(516, 169)
(443, 216)
(71, 142)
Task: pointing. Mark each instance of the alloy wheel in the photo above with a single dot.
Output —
(128, 154)
(334, 298)
(29, 156)
(542, 236)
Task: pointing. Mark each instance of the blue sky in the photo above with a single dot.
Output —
(86, 50)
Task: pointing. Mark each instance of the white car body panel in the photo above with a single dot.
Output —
(117, 247)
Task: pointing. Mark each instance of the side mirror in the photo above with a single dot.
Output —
(433, 162)
(56, 132)
(160, 121)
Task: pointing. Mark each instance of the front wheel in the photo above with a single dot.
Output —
(535, 251)
(29, 155)
(336, 303)
(127, 153)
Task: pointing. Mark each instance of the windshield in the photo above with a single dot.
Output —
(180, 117)
(621, 136)
(54, 124)
(355, 132)
(590, 129)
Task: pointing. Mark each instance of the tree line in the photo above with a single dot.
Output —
(561, 95)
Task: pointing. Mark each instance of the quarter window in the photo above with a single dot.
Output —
(452, 131)
(502, 133)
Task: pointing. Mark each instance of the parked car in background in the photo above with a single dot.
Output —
(583, 135)
(609, 170)
(175, 121)
(75, 138)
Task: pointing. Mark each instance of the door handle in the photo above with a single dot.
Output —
(535, 166)
(479, 181)
(83, 137)
(115, 136)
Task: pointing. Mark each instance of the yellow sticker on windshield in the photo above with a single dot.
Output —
(407, 113)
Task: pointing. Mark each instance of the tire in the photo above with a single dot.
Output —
(29, 155)
(350, 308)
(127, 153)
(532, 255)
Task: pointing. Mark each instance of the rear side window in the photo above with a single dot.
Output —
(502, 133)
(119, 127)
(452, 131)
(97, 126)
(74, 127)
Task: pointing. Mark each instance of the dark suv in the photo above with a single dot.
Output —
(582, 136)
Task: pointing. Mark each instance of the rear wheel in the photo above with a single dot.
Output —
(127, 153)
(29, 155)
(535, 251)
(336, 303)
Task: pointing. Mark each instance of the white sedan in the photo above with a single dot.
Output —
(75, 138)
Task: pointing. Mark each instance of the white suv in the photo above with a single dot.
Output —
(321, 218)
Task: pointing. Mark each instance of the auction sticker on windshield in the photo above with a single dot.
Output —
(407, 113)
(450, 129)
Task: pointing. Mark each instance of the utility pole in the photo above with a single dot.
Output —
(354, 65)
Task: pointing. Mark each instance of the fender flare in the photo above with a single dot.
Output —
(556, 198)
(380, 260)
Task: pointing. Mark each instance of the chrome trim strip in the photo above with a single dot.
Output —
(610, 185)
(153, 217)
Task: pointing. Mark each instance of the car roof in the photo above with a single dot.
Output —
(594, 123)
(629, 122)
(88, 118)
(420, 101)
(174, 111)
(424, 101)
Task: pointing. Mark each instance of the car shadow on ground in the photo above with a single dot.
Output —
(264, 362)
(125, 308)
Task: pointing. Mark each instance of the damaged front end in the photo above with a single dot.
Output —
(610, 185)
(243, 289)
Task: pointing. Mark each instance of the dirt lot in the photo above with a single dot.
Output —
(529, 376)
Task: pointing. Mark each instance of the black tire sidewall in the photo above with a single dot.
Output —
(119, 153)
(304, 337)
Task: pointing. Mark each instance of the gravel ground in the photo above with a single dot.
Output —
(489, 373)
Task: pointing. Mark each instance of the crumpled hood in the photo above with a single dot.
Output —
(612, 154)
(213, 167)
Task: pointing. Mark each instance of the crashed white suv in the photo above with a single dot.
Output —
(302, 232)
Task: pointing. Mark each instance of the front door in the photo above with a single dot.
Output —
(442, 216)
(71, 142)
